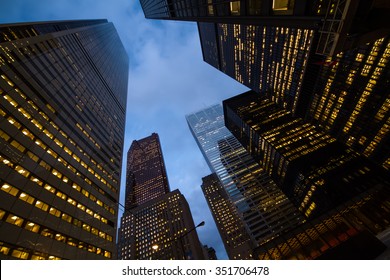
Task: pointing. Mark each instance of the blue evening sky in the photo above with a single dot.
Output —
(167, 80)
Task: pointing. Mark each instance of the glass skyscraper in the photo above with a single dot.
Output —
(314, 170)
(157, 223)
(63, 90)
(255, 200)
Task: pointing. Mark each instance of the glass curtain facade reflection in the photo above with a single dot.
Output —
(261, 206)
(63, 90)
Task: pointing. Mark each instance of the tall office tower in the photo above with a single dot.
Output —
(340, 23)
(63, 93)
(157, 223)
(350, 231)
(275, 47)
(146, 175)
(254, 198)
(351, 99)
(161, 228)
(314, 171)
(232, 230)
(270, 60)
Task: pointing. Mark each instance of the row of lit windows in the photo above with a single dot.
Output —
(38, 142)
(55, 173)
(52, 210)
(24, 253)
(37, 228)
(40, 127)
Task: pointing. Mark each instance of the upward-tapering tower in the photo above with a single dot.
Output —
(146, 173)
(157, 223)
(63, 88)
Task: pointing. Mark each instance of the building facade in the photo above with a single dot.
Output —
(157, 223)
(63, 93)
(351, 91)
(146, 174)
(254, 199)
(159, 229)
(315, 171)
(351, 231)
(232, 230)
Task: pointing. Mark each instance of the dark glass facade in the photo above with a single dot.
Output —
(315, 171)
(270, 60)
(347, 232)
(63, 93)
(350, 92)
(157, 223)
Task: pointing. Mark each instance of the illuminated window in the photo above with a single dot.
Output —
(32, 227)
(20, 254)
(15, 220)
(25, 197)
(9, 189)
(55, 212)
(235, 8)
(22, 171)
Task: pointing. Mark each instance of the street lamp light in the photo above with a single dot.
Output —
(201, 224)
(155, 247)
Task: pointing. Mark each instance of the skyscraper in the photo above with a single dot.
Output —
(146, 175)
(340, 24)
(63, 93)
(276, 48)
(254, 199)
(157, 223)
(351, 91)
(232, 230)
(315, 171)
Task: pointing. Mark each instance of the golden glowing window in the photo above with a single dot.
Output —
(32, 227)
(37, 124)
(22, 171)
(54, 212)
(12, 121)
(15, 220)
(235, 8)
(41, 205)
(25, 197)
(20, 254)
(40, 144)
(9, 189)
(61, 195)
(25, 113)
(76, 187)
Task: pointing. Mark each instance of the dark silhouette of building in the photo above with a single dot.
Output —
(209, 253)
(157, 223)
(63, 90)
